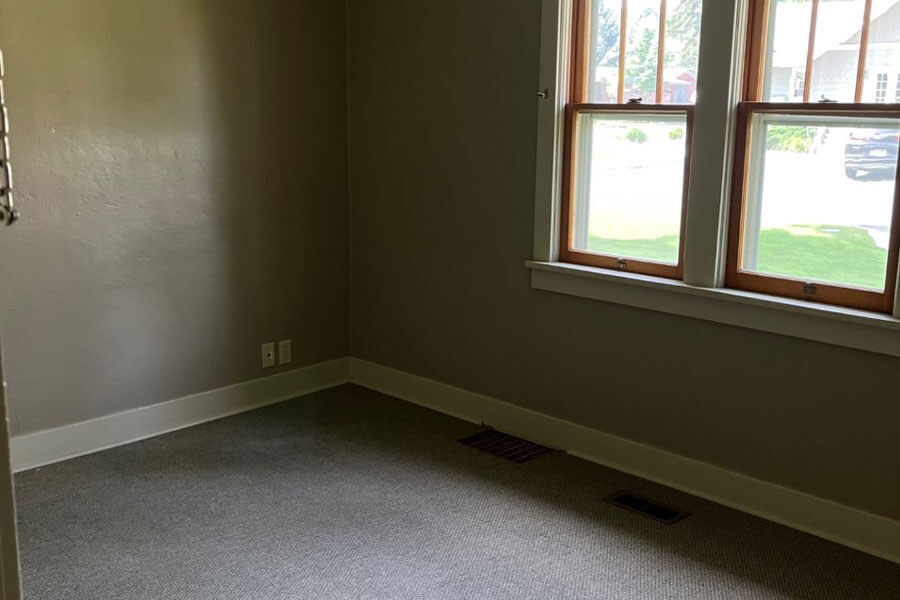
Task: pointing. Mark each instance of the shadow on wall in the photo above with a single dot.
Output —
(181, 168)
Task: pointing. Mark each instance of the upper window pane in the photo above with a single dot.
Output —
(813, 51)
(608, 82)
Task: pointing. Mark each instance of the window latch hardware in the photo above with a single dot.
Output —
(635, 100)
(810, 289)
(543, 94)
(622, 264)
(824, 100)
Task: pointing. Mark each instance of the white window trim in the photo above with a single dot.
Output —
(701, 295)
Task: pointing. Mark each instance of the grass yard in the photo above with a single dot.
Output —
(661, 249)
(826, 253)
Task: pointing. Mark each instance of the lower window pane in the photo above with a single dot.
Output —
(629, 185)
(820, 198)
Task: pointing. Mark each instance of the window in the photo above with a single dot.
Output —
(814, 213)
(628, 129)
(789, 223)
(798, 87)
(881, 87)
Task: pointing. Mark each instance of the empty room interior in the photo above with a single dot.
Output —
(472, 299)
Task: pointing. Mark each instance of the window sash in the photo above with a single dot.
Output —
(567, 252)
(741, 181)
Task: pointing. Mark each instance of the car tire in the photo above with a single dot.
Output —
(851, 172)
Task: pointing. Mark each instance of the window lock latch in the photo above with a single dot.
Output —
(622, 264)
(810, 289)
(635, 100)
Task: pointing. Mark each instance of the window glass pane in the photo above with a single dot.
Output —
(883, 53)
(629, 185)
(836, 50)
(785, 68)
(603, 60)
(682, 51)
(820, 198)
(642, 50)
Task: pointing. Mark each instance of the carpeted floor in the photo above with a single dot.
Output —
(348, 494)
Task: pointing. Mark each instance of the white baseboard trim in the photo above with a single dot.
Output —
(836, 522)
(53, 445)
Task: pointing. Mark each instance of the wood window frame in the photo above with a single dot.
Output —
(752, 104)
(577, 104)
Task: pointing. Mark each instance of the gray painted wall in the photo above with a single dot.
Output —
(181, 167)
(443, 113)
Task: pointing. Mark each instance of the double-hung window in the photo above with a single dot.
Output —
(814, 207)
(727, 160)
(800, 133)
(628, 128)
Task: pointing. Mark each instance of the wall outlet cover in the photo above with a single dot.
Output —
(284, 352)
(268, 355)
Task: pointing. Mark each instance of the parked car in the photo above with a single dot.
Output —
(871, 152)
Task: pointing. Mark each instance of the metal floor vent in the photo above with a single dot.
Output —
(505, 446)
(643, 506)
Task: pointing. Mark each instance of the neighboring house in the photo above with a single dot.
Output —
(836, 53)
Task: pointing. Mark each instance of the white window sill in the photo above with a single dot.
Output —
(863, 330)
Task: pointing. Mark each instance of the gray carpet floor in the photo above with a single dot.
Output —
(349, 494)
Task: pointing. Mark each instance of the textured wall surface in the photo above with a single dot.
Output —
(181, 167)
(443, 117)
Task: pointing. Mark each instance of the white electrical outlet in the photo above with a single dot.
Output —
(268, 355)
(284, 352)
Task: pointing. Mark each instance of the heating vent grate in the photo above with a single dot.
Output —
(505, 446)
(643, 506)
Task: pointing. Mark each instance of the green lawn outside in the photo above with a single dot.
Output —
(827, 253)
(662, 249)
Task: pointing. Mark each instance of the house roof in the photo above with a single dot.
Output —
(839, 24)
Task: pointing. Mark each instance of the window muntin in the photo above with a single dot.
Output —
(634, 83)
(814, 210)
